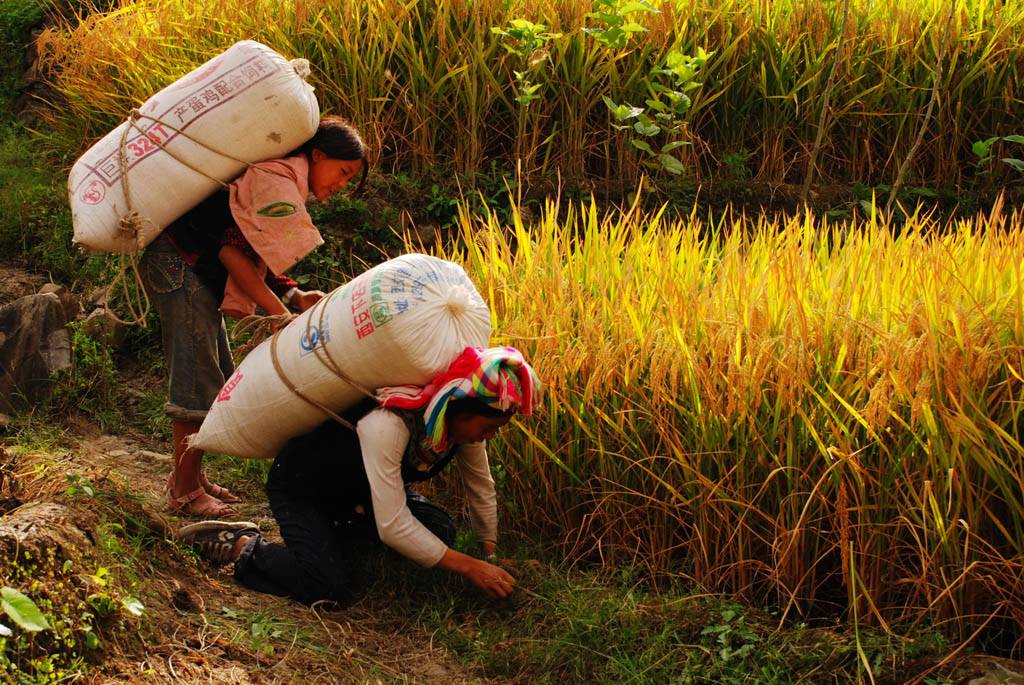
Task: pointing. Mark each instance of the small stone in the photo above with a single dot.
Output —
(154, 456)
(100, 296)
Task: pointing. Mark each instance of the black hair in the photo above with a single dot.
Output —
(474, 407)
(338, 139)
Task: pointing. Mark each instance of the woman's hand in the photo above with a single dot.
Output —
(244, 272)
(304, 299)
(494, 580)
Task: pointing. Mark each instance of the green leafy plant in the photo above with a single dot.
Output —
(735, 638)
(90, 384)
(736, 163)
(79, 486)
(665, 113)
(616, 27)
(441, 205)
(22, 611)
(983, 150)
(261, 632)
(527, 42)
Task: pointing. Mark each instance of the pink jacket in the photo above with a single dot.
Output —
(268, 203)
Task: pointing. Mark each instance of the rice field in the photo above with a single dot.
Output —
(826, 419)
(431, 84)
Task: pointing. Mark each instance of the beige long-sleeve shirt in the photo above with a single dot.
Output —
(383, 437)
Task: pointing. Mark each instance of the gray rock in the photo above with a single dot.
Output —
(426, 235)
(34, 343)
(100, 296)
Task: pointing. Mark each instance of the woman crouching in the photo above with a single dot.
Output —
(332, 490)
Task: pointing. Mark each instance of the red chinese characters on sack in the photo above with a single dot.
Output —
(93, 193)
(360, 315)
(225, 393)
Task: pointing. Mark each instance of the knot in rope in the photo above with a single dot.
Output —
(130, 228)
(260, 328)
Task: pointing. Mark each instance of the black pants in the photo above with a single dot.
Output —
(320, 497)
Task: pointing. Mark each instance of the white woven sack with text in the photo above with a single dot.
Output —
(249, 103)
(402, 322)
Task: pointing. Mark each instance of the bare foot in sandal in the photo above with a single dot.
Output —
(198, 503)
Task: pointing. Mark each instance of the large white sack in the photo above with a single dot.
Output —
(401, 322)
(249, 102)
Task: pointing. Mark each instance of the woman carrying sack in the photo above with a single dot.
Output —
(228, 255)
(333, 491)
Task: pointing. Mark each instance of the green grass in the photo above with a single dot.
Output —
(35, 219)
(17, 18)
(573, 624)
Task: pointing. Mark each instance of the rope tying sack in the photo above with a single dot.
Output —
(260, 327)
(132, 226)
(263, 326)
(332, 366)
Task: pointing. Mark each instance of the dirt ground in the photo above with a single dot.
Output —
(200, 625)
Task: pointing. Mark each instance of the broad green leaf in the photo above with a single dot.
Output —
(610, 19)
(647, 127)
(1015, 139)
(630, 7)
(1015, 163)
(624, 111)
(675, 58)
(669, 147)
(671, 164)
(981, 147)
(642, 145)
(633, 27)
(22, 610)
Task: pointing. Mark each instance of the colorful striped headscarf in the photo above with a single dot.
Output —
(497, 376)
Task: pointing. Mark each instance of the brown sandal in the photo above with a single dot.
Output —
(218, 491)
(186, 504)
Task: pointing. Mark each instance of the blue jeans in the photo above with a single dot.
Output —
(320, 497)
(195, 340)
